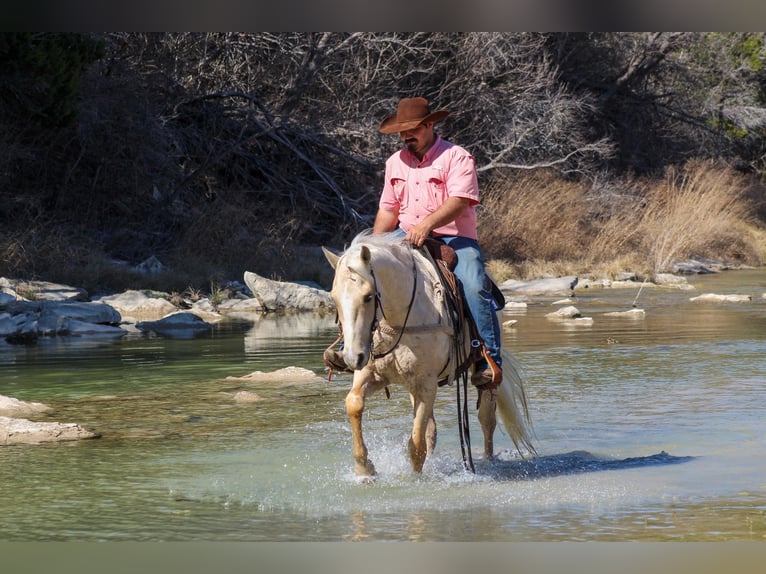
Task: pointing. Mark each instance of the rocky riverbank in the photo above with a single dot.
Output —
(30, 310)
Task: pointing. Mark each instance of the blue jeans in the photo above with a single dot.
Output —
(478, 294)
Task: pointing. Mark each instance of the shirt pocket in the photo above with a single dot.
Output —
(437, 191)
(400, 192)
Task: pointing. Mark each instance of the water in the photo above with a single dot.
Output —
(649, 429)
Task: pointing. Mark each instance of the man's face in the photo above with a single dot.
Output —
(419, 140)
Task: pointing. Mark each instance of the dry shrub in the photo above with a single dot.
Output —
(543, 225)
(699, 209)
(533, 216)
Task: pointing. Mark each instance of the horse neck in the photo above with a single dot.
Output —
(394, 274)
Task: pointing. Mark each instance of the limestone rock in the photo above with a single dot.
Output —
(285, 296)
(553, 286)
(717, 298)
(23, 431)
(139, 305)
(10, 407)
(180, 325)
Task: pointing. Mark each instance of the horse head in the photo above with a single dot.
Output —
(354, 294)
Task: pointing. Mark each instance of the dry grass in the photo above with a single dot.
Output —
(537, 216)
(534, 225)
(699, 210)
(539, 225)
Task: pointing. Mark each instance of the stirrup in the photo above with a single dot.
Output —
(334, 360)
(489, 377)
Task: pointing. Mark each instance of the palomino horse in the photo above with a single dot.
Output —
(397, 328)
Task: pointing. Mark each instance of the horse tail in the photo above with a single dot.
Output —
(512, 404)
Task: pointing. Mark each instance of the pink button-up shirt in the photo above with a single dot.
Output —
(417, 188)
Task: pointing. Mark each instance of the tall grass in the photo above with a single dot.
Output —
(535, 216)
(699, 210)
(540, 224)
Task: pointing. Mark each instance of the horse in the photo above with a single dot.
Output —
(397, 329)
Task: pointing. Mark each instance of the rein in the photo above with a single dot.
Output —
(379, 305)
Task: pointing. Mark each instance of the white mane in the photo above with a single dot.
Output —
(389, 239)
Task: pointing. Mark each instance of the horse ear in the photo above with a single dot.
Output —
(331, 257)
(365, 254)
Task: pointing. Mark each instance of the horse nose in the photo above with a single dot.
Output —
(360, 360)
(355, 361)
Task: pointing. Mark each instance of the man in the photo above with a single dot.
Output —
(431, 189)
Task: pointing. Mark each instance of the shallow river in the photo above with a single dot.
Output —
(646, 429)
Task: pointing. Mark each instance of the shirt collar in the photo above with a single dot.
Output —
(428, 154)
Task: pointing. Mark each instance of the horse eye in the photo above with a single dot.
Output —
(367, 298)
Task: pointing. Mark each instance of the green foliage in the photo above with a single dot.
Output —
(40, 74)
(749, 50)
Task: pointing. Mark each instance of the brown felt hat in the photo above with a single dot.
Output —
(410, 113)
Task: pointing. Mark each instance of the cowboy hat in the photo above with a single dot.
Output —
(410, 113)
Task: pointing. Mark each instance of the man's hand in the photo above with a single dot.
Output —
(418, 234)
(448, 212)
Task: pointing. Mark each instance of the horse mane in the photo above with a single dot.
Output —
(386, 240)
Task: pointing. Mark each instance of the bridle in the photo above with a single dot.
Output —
(376, 326)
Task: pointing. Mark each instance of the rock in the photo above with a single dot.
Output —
(670, 280)
(509, 324)
(288, 374)
(7, 324)
(568, 312)
(245, 306)
(41, 291)
(180, 325)
(698, 266)
(570, 315)
(139, 305)
(150, 266)
(10, 407)
(284, 296)
(514, 306)
(604, 283)
(716, 298)
(625, 276)
(75, 327)
(26, 320)
(247, 397)
(553, 286)
(206, 311)
(7, 298)
(631, 314)
(23, 431)
(86, 312)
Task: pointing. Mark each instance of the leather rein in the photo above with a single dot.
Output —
(376, 326)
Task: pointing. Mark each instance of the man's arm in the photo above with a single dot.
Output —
(447, 212)
(385, 220)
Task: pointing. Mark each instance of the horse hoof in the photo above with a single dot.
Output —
(366, 470)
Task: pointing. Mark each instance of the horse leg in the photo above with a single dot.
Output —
(430, 430)
(423, 438)
(431, 434)
(360, 389)
(488, 420)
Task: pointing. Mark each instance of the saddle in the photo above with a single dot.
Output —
(445, 260)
